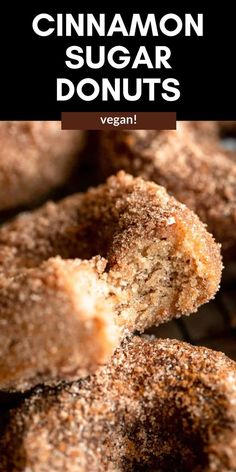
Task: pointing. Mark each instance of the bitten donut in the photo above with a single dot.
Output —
(35, 157)
(154, 260)
(199, 175)
(55, 320)
(159, 405)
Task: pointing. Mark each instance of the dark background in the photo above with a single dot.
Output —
(30, 64)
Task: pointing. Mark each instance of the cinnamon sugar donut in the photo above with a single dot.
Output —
(35, 157)
(212, 133)
(155, 261)
(215, 129)
(204, 132)
(55, 321)
(159, 405)
(199, 175)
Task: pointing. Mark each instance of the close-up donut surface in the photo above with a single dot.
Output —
(189, 163)
(158, 406)
(212, 132)
(99, 369)
(55, 320)
(148, 257)
(35, 158)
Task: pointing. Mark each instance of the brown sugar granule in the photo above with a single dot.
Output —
(35, 157)
(158, 406)
(155, 261)
(196, 171)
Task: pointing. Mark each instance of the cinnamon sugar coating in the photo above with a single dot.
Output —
(159, 405)
(35, 157)
(213, 136)
(191, 165)
(55, 321)
(155, 261)
(212, 131)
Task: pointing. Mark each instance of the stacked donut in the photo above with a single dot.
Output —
(80, 281)
(189, 162)
(35, 158)
(158, 405)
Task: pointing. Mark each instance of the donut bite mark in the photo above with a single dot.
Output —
(35, 158)
(55, 321)
(200, 175)
(154, 261)
(159, 405)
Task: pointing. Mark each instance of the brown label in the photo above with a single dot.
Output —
(121, 120)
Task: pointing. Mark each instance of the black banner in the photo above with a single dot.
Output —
(163, 59)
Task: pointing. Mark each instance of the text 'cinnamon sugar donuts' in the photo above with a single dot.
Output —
(196, 172)
(35, 157)
(155, 261)
(159, 405)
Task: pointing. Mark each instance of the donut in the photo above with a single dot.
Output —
(201, 176)
(201, 130)
(212, 133)
(35, 158)
(55, 319)
(154, 260)
(158, 405)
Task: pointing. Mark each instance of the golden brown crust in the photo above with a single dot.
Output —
(35, 157)
(201, 175)
(55, 320)
(159, 260)
(158, 405)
